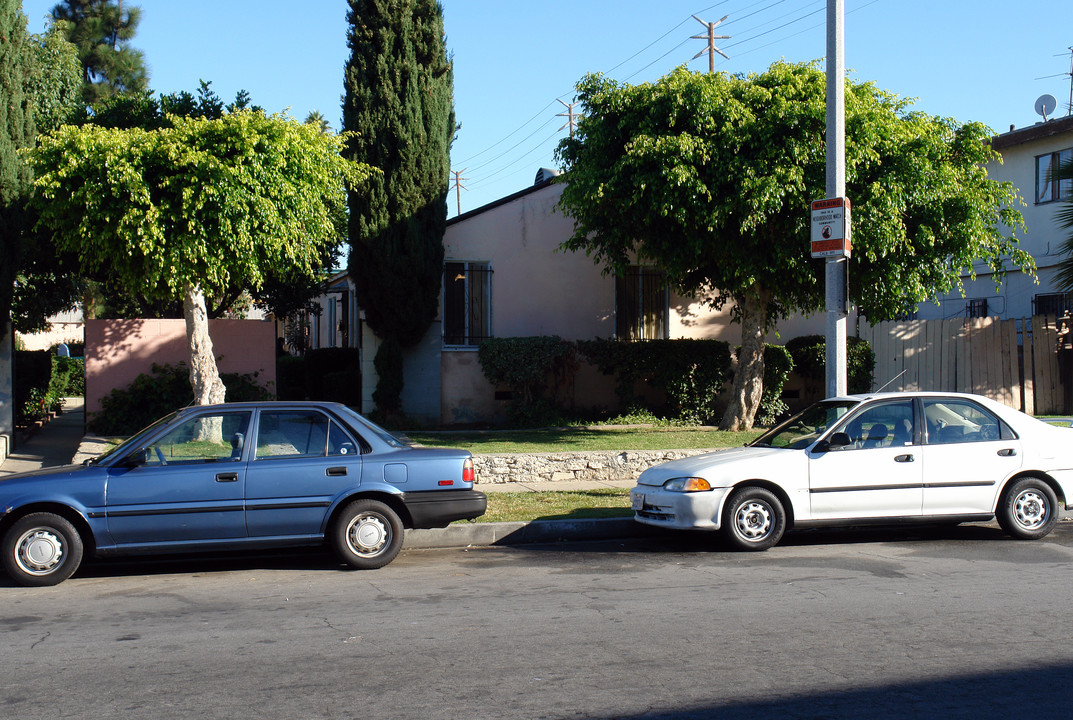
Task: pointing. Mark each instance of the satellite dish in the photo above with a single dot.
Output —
(1045, 105)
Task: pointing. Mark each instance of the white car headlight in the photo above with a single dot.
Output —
(687, 484)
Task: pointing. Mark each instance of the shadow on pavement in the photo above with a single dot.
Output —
(1029, 692)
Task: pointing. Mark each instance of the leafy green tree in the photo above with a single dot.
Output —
(101, 31)
(16, 132)
(398, 105)
(710, 176)
(1064, 276)
(194, 208)
(45, 282)
(55, 81)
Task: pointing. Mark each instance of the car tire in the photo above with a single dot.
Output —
(367, 534)
(753, 519)
(41, 549)
(1028, 509)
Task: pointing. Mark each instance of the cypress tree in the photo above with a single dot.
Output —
(399, 107)
(16, 131)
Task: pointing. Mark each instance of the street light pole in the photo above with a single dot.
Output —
(836, 275)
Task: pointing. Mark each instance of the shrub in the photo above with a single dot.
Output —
(33, 379)
(164, 389)
(810, 360)
(68, 376)
(535, 369)
(778, 363)
(690, 372)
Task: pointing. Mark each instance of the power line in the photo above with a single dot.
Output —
(510, 160)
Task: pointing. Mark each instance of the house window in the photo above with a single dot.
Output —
(467, 316)
(1047, 188)
(1057, 304)
(976, 308)
(641, 304)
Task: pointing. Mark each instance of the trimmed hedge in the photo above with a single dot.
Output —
(534, 369)
(690, 372)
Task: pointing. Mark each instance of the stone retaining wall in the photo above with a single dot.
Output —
(571, 466)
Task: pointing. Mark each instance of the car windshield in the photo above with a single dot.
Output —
(133, 440)
(807, 426)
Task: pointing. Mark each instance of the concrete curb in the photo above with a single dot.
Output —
(524, 533)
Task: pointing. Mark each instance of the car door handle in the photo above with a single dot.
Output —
(904, 458)
(1007, 452)
(335, 471)
(227, 477)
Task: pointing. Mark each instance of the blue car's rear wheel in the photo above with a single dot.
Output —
(367, 534)
(41, 549)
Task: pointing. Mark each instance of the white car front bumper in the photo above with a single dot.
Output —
(653, 505)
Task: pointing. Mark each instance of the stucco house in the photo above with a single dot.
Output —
(1028, 154)
(505, 276)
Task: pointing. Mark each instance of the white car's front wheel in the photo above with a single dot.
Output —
(753, 519)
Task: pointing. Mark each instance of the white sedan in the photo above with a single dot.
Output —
(885, 458)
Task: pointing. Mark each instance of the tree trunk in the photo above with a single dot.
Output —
(749, 376)
(204, 376)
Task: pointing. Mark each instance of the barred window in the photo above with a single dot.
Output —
(641, 304)
(1056, 304)
(467, 316)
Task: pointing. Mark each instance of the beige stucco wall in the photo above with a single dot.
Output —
(117, 351)
(65, 327)
(538, 289)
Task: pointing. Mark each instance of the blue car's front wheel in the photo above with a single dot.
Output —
(41, 549)
(367, 534)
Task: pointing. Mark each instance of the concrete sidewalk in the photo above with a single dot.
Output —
(53, 445)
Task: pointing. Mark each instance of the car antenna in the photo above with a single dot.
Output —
(903, 372)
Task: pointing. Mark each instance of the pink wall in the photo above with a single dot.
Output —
(118, 351)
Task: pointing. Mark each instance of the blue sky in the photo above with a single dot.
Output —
(968, 59)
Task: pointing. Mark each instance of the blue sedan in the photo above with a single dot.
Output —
(234, 476)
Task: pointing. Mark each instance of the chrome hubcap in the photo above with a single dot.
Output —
(367, 535)
(1031, 510)
(39, 551)
(753, 520)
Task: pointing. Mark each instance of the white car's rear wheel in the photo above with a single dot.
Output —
(1028, 509)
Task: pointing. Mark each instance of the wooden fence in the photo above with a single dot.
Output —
(1012, 361)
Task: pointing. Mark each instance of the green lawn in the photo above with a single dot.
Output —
(563, 505)
(582, 439)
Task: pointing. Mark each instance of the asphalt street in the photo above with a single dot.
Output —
(955, 622)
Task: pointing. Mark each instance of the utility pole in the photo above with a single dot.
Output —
(459, 187)
(836, 276)
(570, 115)
(711, 37)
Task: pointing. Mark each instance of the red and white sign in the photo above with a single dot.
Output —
(830, 228)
